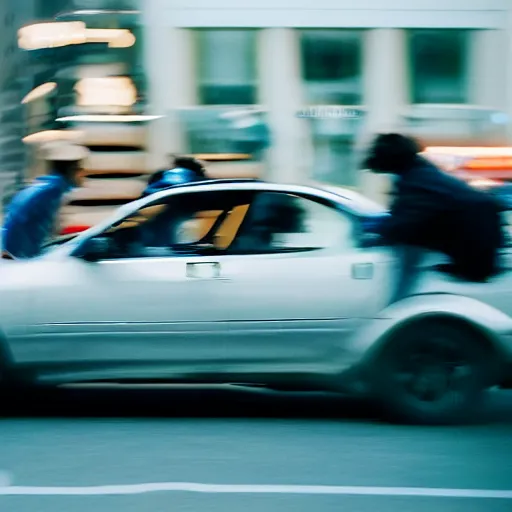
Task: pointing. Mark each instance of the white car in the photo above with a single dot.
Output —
(241, 281)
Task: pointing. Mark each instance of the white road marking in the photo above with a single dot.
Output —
(103, 490)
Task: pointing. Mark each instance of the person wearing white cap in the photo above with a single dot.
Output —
(32, 214)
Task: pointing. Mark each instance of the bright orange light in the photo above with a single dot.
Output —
(488, 164)
(39, 92)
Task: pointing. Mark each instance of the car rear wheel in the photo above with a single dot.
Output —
(433, 372)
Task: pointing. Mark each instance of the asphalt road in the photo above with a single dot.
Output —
(59, 450)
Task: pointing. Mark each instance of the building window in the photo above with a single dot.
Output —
(332, 66)
(335, 156)
(439, 65)
(215, 130)
(227, 67)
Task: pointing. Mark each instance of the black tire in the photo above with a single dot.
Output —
(433, 372)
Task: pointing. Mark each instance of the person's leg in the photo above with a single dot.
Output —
(409, 259)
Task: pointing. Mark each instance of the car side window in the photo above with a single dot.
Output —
(280, 222)
(188, 224)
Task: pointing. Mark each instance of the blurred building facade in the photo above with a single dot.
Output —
(280, 89)
(78, 75)
(324, 76)
(13, 14)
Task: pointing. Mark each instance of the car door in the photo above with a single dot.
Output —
(147, 310)
(296, 302)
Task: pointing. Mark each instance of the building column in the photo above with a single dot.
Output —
(508, 69)
(386, 90)
(487, 74)
(289, 158)
(170, 68)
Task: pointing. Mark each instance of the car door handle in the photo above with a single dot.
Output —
(362, 271)
(204, 270)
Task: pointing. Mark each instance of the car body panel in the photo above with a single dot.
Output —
(305, 317)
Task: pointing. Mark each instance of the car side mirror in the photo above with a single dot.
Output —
(96, 249)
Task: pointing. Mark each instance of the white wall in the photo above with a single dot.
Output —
(412, 5)
(488, 74)
(333, 13)
(508, 71)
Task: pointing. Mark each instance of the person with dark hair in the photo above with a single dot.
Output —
(32, 215)
(164, 225)
(192, 164)
(183, 169)
(436, 211)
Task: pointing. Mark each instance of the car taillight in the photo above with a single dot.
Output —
(71, 230)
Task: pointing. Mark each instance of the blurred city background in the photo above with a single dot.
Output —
(284, 90)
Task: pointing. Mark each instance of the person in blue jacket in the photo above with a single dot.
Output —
(32, 216)
(183, 170)
(162, 230)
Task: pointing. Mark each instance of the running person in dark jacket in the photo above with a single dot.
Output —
(436, 211)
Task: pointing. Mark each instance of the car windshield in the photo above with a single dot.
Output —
(356, 200)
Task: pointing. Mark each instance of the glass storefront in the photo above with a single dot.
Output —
(225, 133)
(334, 141)
(331, 63)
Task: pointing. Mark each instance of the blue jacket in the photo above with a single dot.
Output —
(163, 180)
(31, 216)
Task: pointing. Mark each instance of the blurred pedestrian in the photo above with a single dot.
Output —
(33, 214)
(183, 169)
(163, 227)
(436, 211)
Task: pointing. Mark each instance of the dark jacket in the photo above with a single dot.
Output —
(32, 215)
(437, 211)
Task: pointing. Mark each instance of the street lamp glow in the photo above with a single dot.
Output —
(51, 35)
(66, 33)
(113, 91)
(52, 136)
(39, 92)
(116, 38)
(107, 118)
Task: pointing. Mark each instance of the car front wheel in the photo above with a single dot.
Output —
(433, 372)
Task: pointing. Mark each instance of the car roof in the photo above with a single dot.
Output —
(347, 198)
